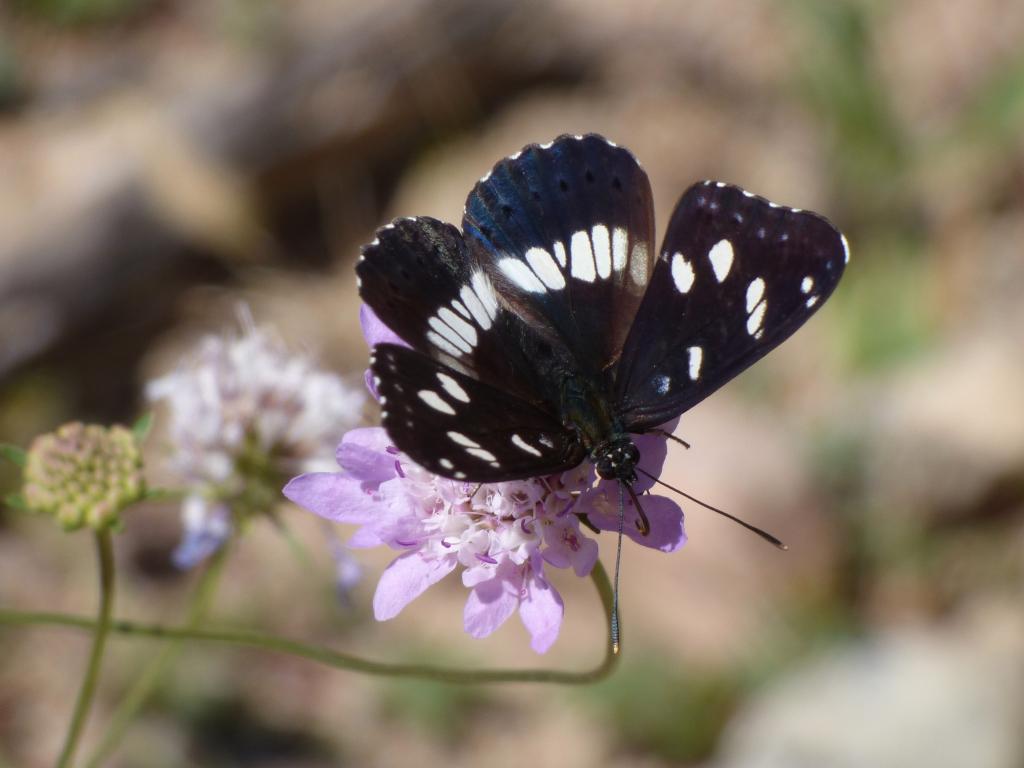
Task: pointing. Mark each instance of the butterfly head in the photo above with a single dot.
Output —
(616, 459)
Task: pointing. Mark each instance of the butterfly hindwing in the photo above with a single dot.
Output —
(565, 232)
(736, 276)
(456, 426)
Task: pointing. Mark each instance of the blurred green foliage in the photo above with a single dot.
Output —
(442, 711)
(838, 80)
(81, 11)
(653, 705)
(11, 87)
(996, 113)
(225, 731)
(884, 311)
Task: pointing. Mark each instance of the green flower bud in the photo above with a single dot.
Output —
(84, 475)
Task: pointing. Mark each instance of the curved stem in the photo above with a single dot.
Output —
(346, 661)
(153, 674)
(101, 628)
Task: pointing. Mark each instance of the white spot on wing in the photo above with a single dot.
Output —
(662, 384)
(521, 275)
(682, 273)
(559, 248)
(582, 257)
(441, 343)
(756, 318)
(451, 386)
(475, 307)
(461, 327)
(461, 439)
(620, 244)
(811, 301)
(638, 264)
(602, 250)
(434, 400)
(482, 453)
(461, 309)
(483, 288)
(546, 441)
(541, 262)
(518, 442)
(755, 292)
(446, 464)
(806, 284)
(449, 334)
(721, 257)
(695, 358)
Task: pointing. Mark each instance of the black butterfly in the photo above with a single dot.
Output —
(548, 329)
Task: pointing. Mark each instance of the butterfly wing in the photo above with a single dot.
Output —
(423, 282)
(564, 231)
(736, 276)
(457, 426)
(476, 372)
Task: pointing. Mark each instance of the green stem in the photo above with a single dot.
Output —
(101, 628)
(154, 674)
(346, 661)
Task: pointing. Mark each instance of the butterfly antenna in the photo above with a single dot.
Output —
(618, 560)
(670, 436)
(752, 528)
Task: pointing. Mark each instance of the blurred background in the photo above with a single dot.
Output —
(163, 160)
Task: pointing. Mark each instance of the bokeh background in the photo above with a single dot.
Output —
(163, 160)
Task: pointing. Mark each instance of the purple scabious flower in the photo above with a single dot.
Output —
(503, 536)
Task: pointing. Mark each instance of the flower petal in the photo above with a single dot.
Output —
(566, 545)
(541, 612)
(206, 528)
(364, 538)
(333, 496)
(491, 602)
(374, 330)
(363, 453)
(405, 579)
(665, 516)
(653, 451)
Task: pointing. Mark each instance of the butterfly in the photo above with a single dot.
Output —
(548, 330)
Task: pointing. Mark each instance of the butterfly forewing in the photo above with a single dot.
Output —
(565, 231)
(423, 282)
(456, 426)
(735, 277)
